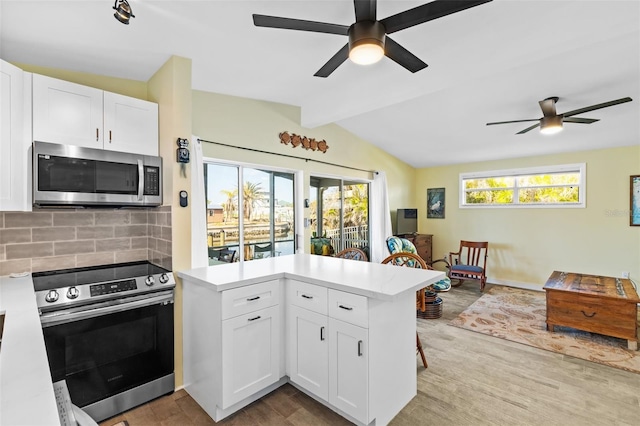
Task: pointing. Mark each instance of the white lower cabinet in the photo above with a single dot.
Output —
(349, 369)
(308, 350)
(353, 353)
(327, 356)
(233, 344)
(250, 354)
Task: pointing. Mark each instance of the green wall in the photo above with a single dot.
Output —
(133, 88)
(256, 124)
(527, 244)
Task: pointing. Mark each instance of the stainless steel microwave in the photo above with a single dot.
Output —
(66, 175)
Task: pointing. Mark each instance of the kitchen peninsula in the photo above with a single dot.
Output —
(341, 331)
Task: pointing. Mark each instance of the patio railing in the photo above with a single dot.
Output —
(353, 236)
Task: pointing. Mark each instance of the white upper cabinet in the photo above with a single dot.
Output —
(130, 124)
(14, 146)
(72, 114)
(66, 113)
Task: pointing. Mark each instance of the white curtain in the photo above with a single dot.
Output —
(380, 218)
(198, 200)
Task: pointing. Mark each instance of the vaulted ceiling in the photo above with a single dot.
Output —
(490, 63)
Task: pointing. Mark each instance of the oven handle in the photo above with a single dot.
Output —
(65, 316)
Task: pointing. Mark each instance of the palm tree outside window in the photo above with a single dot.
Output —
(256, 222)
(339, 211)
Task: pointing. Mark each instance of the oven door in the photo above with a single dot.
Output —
(107, 350)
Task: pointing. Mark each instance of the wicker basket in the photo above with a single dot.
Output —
(433, 307)
(430, 296)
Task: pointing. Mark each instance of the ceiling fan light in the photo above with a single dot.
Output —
(366, 53)
(366, 42)
(551, 125)
(123, 11)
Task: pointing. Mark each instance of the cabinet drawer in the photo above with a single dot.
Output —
(242, 300)
(605, 316)
(348, 307)
(308, 296)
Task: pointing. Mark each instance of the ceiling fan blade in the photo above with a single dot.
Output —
(513, 121)
(427, 12)
(402, 56)
(548, 107)
(299, 24)
(580, 120)
(528, 129)
(598, 106)
(334, 62)
(365, 10)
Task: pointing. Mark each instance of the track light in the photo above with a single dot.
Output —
(123, 11)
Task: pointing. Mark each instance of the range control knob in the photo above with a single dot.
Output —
(73, 293)
(150, 280)
(164, 278)
(51, 296)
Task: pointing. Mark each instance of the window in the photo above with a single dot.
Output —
(260, 218)
(552, 186)
(339, 211)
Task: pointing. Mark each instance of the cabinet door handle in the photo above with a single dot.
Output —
(109, 136)
(97, 134)
(588, 316)
(321, 333)
(359, 347)
(348, 308)
(307, 297)
(253, 319)
(251, 299)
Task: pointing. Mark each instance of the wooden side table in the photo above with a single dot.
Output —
(603, 305)
(423, 243)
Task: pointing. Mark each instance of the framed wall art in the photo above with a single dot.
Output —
(634, 207)
(435, 203)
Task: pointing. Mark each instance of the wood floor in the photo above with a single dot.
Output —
(472, 379)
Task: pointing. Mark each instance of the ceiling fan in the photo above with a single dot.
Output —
(368, 40)
(551, 121)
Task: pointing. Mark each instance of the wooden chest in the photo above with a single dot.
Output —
(603, 305)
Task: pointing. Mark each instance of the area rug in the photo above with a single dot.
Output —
(520, 316)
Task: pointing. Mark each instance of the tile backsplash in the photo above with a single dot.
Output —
(48, 239)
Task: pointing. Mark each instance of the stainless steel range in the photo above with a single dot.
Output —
(109, 333)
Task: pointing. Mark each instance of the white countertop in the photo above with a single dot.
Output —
(26, 389)
(367, 279)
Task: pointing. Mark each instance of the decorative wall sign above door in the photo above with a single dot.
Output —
(303, 141)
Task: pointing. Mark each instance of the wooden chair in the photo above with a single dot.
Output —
(469, 263)
(353, 254)
(411, 260)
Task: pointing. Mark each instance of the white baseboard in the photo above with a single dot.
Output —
(525, 286)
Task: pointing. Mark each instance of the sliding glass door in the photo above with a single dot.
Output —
(254, 223)
(339, 212)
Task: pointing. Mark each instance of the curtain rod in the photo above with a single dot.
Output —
(375, 172)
